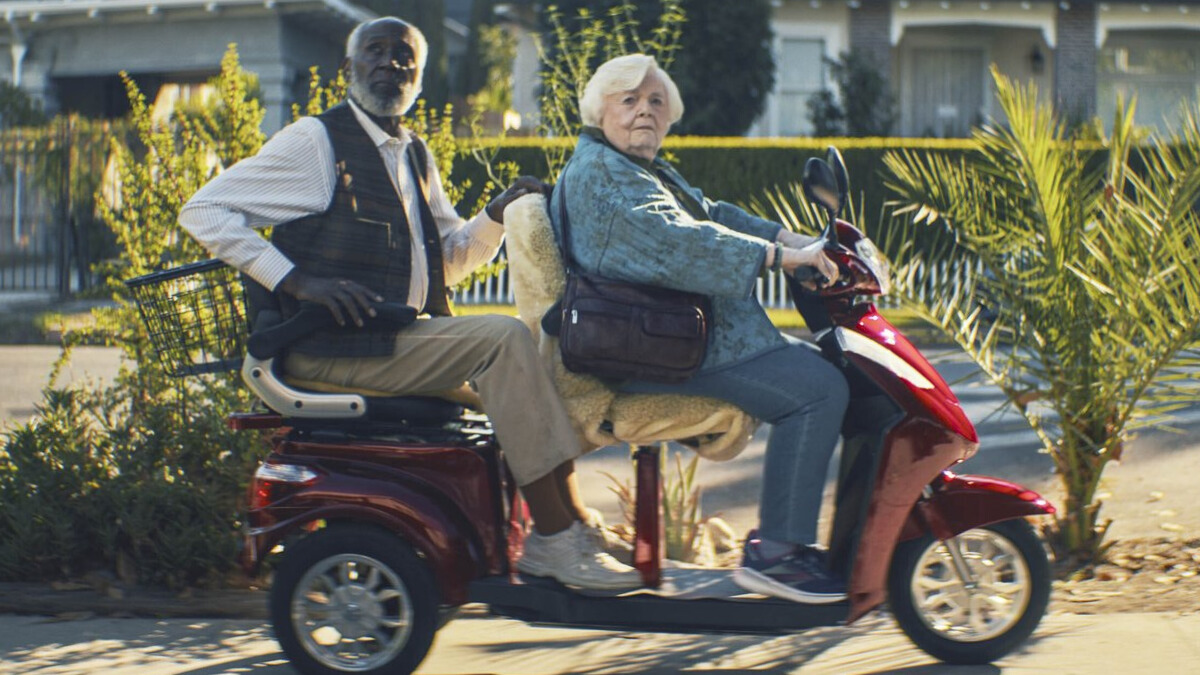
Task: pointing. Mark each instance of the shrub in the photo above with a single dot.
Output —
(139, 477)
(1080, 279)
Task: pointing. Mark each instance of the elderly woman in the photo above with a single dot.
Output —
(633, 217)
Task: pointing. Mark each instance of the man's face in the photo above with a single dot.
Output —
(635, 121)
(382, 71)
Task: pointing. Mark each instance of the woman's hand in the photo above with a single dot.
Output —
(792, 239)
(810, 255)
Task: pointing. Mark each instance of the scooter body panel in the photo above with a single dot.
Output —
(917, 450)
(960, 502)
(439, 498)
(907, 367)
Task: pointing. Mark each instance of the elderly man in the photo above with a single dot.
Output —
(361, 217)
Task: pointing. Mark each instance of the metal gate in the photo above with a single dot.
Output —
(41, 247)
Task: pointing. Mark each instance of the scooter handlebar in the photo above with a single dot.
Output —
(807, 273)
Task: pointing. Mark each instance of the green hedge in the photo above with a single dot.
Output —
(739, 170)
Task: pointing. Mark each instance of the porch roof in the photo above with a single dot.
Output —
(33, 14)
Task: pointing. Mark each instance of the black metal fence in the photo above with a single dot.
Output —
(49, 235)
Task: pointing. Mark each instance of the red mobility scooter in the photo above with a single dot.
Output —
(386, 514)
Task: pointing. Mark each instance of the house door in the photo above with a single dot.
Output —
(947, 91)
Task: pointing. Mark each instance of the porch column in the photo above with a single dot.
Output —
(275, 93)
(870, 34)
(1075, 60)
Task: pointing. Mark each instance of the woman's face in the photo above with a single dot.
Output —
(635, 121)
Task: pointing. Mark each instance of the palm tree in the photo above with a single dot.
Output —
(1079, 280)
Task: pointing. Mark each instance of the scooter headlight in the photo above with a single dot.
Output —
(875, 262)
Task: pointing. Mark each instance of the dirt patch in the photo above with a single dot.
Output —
(1141, 575)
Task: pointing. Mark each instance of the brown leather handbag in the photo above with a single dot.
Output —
(620, 330)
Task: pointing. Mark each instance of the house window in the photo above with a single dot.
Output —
(800, 72)
(1160, 70)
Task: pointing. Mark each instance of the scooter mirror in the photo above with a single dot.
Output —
(820, 186)
(834, 158)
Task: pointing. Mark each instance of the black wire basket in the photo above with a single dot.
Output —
(195, 316)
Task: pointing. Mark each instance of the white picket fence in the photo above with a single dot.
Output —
(772, 293)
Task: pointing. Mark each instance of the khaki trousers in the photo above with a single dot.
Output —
(496, 355)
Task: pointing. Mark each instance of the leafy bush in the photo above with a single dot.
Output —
(19, 109)
(863, 106)
(718, 52)
(683, 523)
(140, 477)
(569, 56)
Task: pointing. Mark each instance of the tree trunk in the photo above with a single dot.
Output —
(1077, 536)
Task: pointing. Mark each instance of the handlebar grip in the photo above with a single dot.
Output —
(269, 341)
(807, 273)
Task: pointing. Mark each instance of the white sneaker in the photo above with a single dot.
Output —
(604, 539)
(572, 558)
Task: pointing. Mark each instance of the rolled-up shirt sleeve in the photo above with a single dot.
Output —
(291, 177)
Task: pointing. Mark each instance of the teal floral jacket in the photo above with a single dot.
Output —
(626, 223)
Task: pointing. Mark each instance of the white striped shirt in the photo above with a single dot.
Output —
(293, 176)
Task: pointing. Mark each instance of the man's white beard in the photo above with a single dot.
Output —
(382, 106)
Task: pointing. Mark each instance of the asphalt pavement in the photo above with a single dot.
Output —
(1064, 644)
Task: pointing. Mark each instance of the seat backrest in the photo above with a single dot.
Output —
(535, 269)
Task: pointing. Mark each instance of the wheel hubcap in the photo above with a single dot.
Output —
(352, 612)
(993, 599)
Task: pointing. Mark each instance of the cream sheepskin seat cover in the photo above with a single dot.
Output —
(714, 429)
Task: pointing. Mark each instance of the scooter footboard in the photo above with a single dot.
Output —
(963, 502)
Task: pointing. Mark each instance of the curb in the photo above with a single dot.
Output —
(40, 599)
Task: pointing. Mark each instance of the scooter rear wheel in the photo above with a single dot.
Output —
(353, 598)
(981, 621)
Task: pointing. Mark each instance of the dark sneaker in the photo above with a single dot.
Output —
(800, 575)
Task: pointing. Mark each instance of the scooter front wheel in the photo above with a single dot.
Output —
(984, 616)
(353, 598)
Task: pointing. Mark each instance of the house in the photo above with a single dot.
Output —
(937, 55)
(68, 53)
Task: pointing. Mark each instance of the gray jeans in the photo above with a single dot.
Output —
(803, 397)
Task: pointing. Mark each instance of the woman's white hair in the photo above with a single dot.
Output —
(422, 46)
(625, 73)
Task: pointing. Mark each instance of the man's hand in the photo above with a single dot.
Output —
(522, 186)
(343, 297)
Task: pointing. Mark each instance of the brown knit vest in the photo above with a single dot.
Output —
(364, 236)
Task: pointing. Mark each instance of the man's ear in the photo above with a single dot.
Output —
(345, 67)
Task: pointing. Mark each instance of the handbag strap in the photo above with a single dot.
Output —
(552, 320)
(565, 242)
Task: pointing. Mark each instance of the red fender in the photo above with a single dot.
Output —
(960, 503)
(416, 518)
